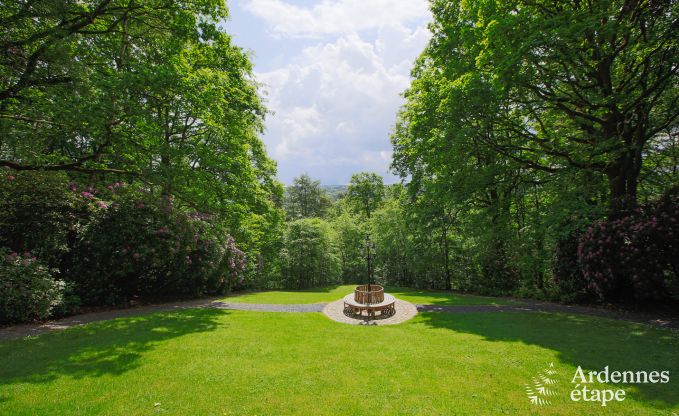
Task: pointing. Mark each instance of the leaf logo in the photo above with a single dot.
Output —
(542, 387)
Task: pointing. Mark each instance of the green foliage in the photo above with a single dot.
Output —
(152, 90)
(576, 85)
(395, 246)
(334, 292)
(305, 198)
(335, 192)
(39, 213)
(365, 192)
(570, 282)
(153, 93)
(260, 236)
(661, 165)
(526, 121)
(309, 257)
(118, 242)
(27, 289)
(350, 234)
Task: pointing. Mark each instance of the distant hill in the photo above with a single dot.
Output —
(335, 191)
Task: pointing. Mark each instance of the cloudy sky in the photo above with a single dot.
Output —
(332, 72)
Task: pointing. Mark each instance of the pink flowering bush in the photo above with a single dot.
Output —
(234, 263)
(634, 258)
(27, 289)
(114, 242)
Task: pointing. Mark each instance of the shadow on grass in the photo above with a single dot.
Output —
(590, 342)
(103, 348)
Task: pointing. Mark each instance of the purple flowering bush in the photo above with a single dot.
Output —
(28, 290)
(635, 257)
(630, 259)
(141, 246)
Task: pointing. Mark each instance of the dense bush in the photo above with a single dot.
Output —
(571, 285)
(144, 247)
(499, 275)
(27, 289)
(635, 257)
(40, 213)
(114, 242)
(309, 257)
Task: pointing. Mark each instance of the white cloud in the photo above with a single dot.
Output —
(336, 102)
(386, 155)
(398, 45)
(336, 17)
(299, 123)
(336, 93)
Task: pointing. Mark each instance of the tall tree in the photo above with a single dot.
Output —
(365, 192)
(309, 257)
(350, 241)
(391, 231)
(153, 90)
(305, 198)
(582, 85)
(456, 144)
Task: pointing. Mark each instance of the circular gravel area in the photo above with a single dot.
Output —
(404, 311)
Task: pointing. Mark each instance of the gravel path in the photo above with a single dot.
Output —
(19, 331)
(405, 311)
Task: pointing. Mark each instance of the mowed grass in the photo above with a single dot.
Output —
(332, 293)
(215, 362)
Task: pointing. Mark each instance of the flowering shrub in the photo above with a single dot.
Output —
(147, 248)
(27, 289)
(235, 262)
(635, 257)
(38, 213)
(113, 242)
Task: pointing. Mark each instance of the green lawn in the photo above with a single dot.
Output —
(331, 293)
(215, 362)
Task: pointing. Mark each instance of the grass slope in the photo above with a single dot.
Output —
(331, 293)
(213, 362)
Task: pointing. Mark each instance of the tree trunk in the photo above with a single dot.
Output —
(448, 285)
(623, 178)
